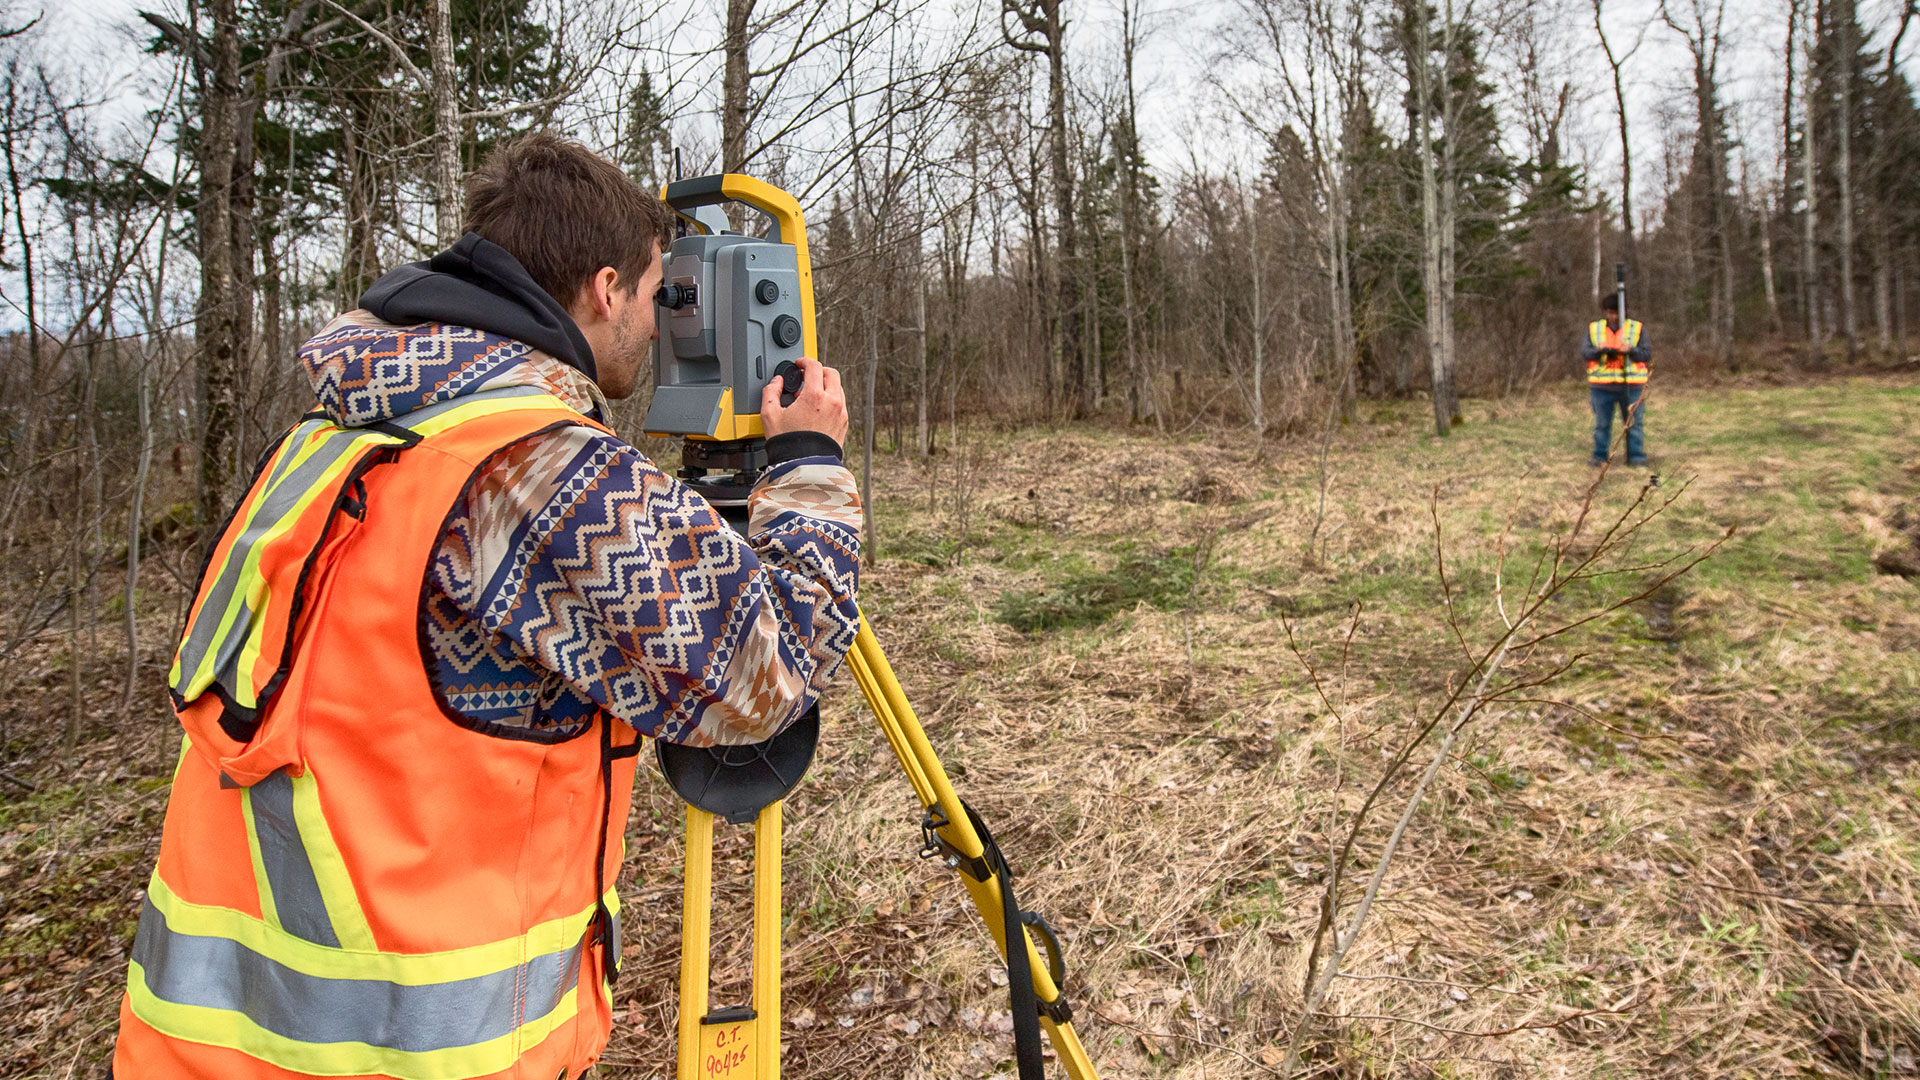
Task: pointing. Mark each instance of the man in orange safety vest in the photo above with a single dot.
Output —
(1618, 362)
(427, 643)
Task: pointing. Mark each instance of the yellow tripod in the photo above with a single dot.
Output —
(711, 275)
(743, 1042)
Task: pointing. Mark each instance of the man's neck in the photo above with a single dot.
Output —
(1613, 322)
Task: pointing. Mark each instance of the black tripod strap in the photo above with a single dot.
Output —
(1026, 1006)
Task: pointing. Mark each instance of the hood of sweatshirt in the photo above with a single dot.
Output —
(467, 320)
(476, 283)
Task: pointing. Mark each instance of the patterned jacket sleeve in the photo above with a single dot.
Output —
(597, 565)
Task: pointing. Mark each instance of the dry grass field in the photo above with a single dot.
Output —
(1692, 853)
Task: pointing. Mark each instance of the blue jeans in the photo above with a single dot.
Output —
(1627, 399)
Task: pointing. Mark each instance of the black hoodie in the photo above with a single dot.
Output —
(476, 283)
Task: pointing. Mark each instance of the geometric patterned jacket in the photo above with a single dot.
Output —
(570, 551)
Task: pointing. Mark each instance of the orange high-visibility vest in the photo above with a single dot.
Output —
(1612, 371)
(350, 882)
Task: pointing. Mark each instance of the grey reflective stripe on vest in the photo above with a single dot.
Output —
(296, 889)
(219, 973)
(284, 488)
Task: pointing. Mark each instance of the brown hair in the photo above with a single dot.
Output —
(564, 212)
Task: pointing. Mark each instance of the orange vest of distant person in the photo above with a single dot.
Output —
(350, 881)
(1615, 370)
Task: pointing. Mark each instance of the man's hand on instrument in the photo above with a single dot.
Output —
(821, 404)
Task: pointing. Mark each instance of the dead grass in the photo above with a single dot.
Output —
(1705, 869)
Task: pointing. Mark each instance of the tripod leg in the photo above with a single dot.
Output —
(948, 820)
(766, 942)
(696, 939)
(738, 1043)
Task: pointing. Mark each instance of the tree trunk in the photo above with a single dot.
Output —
(1626, 147)
(1711, 150)
(1810, 216)
(1899, 304)
(921, 433)
(1786, 140)
(1093, 347)
(216, 318)
(446, 124)
(136, 529)
(1449, 391)
(76, 599)
(1766, 254)
(1067, 297)
(1843, 175)
(733, 85)
(870, 542)
(1141, 397)
(357, 263)
(1883, 289)
(1259, 326)
(14, 135)
(1419, 57)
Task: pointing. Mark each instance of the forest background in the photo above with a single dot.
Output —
(1262, 225)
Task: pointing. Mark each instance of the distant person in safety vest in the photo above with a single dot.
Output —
(425, 647)
(1618, 361)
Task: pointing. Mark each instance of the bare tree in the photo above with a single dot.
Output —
(1616, 64)
(1437, 194)
(1809, 189)
(1843, 170)
(1141, 383)
(1701, 28)
(221, 332)
(1313, 54)
(446, 126)
(1042, 30)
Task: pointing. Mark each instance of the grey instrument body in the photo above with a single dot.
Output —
(742, 321)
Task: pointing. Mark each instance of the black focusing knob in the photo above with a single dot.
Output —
(767, 292)
(791, 380)
(786, 331)
(674, 297)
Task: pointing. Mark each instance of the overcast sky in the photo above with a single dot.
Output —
(1181, 112)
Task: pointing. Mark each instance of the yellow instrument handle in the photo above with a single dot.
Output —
(788, 221)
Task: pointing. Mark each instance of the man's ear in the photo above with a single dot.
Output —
(596, 296)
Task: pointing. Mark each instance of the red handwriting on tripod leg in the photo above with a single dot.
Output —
(729, 1050)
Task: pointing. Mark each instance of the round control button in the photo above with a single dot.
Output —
(767, 291)
(786, 331)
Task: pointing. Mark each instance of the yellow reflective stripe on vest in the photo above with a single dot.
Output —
(215, 990)
(411, 969)
(1629, 333)
(301, 876)
(1630, 371)
(223, 640)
